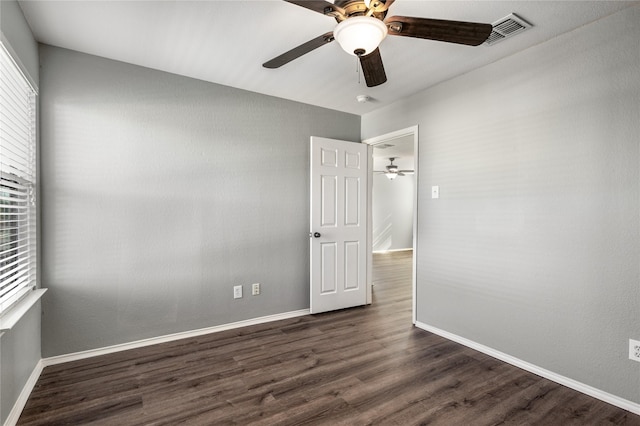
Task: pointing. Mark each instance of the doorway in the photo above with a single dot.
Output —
(393, 202)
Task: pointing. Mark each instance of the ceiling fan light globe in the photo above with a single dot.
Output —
(391, 175)
(361, 34)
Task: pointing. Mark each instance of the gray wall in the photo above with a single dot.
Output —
(19, 354)
(16, 32)
(20, 347)
(392, 212)
(160, 193)
(533, 247)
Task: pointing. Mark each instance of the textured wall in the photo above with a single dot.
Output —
(16, 32)
(19, 354)
(533, 247)
(392, 212)
(160, 193)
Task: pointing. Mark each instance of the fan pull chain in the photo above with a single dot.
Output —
(358, 68)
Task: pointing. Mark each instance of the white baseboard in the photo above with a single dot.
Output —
(170, 337)
(565, 381)
(14, 415)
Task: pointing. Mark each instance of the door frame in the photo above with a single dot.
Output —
(409, 131)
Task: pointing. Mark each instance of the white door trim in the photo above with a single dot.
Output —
(413, 130)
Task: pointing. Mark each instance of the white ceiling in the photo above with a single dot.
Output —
(401, 149)
(226, 42)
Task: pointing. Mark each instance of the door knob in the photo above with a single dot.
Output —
(315, 234)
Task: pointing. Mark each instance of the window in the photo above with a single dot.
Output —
(17, 183)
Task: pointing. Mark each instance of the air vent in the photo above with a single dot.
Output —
(507, 27)
(383, 146)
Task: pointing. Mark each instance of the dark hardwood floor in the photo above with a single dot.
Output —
(360, 366)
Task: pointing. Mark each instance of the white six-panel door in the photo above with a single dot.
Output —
(338, 231)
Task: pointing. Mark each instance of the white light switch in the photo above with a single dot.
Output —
(435, 192)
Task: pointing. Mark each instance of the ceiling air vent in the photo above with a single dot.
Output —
(507, 27)
(383, 146)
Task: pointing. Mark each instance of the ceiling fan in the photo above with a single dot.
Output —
(362, 25)
(392, 171)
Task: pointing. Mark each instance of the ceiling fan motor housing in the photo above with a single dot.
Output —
(359, 7)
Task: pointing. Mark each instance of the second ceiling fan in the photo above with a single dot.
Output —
(362, 25)
(391, 171)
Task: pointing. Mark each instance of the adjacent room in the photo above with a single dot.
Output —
(319, 212)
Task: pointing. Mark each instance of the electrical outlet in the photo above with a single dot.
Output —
(634, 350)
(237, 292)
(255, 289)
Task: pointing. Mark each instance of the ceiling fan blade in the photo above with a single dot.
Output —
(319, 6)
(296, 52)
(373, 69)
(409, 172)
(469, 33)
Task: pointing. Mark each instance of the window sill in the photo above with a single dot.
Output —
(10, 318)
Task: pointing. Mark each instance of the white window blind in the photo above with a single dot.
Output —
(17, 183)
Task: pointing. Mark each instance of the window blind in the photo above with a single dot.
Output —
(17, 183)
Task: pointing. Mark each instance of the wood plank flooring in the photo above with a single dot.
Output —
(359, 366)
